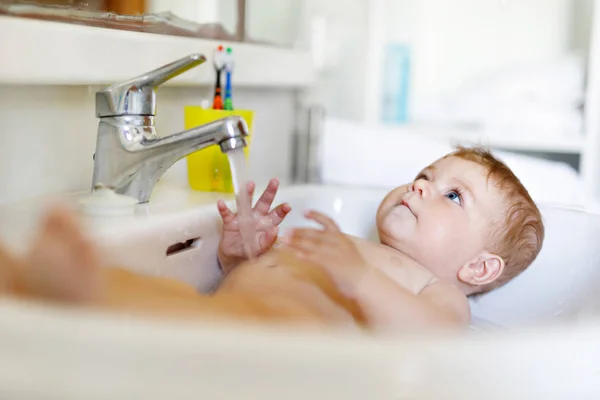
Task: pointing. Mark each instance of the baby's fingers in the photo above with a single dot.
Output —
(250, 187)
(279, 213)
(322, 219)
(225, 212)
(306, 239)
(263, 205)
(311, 245)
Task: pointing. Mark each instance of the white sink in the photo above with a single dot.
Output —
(140, 241)
(119, 358)
(558, 285)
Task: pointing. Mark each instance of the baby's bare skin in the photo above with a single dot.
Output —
(374, 300)
(397, 266)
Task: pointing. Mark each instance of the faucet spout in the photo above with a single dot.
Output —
(229, 132)
(131, 158)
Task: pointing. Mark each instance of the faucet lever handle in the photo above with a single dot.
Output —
(137, 96)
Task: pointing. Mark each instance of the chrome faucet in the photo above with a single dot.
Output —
(130, 156)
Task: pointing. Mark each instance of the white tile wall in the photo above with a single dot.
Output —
(48, 134)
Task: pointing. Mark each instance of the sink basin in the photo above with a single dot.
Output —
(176, 235)
(148, 358)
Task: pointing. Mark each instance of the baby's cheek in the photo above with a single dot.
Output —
(444, 237)
(437, 235)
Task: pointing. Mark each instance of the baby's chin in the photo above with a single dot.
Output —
(396, 229)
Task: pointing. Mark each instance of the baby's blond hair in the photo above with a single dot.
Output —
(518, 237)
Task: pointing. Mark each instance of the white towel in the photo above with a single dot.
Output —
(386, 157)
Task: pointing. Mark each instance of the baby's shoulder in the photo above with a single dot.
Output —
(397, 266)
(448, 296)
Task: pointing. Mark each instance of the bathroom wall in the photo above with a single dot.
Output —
(454, 41)
(48, 134)
(581, 27)
(336, 31)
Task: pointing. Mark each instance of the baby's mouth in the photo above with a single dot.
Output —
(405, 204)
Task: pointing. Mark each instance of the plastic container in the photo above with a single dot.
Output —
(208, 169)
(396, 78)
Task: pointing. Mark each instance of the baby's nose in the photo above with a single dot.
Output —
(421, 187)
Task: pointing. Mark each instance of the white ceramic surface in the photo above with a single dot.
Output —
(67, 354)
(559, 285)
(139, 241)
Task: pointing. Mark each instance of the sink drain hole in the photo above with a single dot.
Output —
(182, 246)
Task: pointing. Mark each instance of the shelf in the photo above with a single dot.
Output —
(36, 52)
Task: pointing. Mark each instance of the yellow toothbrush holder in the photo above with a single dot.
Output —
(208, 168)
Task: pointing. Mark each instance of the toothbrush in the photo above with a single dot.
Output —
(219, 63)
(229, 65)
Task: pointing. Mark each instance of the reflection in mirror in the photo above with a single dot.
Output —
(211, 19)
(224, 18)
(130, 7)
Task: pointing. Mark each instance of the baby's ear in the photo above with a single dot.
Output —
(482, 270)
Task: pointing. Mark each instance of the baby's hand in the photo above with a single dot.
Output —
(331, 249)
(231, 249)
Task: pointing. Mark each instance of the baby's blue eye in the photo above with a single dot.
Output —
(454, 196)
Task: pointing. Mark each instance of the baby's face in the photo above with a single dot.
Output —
(442, 219)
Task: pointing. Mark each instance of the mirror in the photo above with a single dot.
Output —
(209, 19)
(257, 21)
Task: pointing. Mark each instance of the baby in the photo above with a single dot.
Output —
(466, 225)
